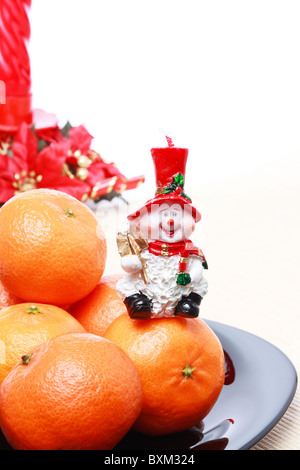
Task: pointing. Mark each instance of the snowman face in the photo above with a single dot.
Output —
(168, 223)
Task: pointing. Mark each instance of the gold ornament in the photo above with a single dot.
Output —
(66, 171)
(25, 182)
(93, 155)
(77, 153)
(83, 161)
(4, 148)
(82, 173)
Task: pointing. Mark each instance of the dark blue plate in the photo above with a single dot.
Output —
(264, 385)
(259, 386)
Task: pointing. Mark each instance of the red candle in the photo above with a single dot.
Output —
(15, 63)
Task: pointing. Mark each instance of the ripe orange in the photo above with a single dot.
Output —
(52, 249)
(7, 298)
(24, 326)
(75, 392)
(181, 365)
(97, 311)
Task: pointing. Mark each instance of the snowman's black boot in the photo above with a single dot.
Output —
(138, 306)
(188, 306)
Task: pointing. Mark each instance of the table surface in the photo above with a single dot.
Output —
(249, 232)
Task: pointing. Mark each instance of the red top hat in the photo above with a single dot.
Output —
(169, 163)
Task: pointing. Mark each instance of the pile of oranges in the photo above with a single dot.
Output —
(76, 372)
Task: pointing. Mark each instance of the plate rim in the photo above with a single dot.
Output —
(215, 325)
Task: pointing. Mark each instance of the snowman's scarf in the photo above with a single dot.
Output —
(185, 249)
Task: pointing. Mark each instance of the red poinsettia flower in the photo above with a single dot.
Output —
(46, 126)
(50, 134)
(80, 139)
(54, 158)
(102, 177)
(23, 168)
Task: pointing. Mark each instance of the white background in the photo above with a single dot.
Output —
(221, 77)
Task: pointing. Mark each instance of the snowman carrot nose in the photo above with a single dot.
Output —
(171, 222)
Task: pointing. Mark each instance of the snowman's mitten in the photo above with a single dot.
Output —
(196, 271)
(131, 264)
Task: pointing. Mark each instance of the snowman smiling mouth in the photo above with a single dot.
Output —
(169, 232)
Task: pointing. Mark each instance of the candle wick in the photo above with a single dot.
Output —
(170, 141)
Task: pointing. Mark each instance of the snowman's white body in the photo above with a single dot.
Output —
(161, 271)
(161, 287)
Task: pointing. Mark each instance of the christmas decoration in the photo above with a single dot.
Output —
(59, 159)
(164, 268)
(15, 64)
(34, 151)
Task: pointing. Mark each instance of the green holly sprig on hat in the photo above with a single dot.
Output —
(176, 185)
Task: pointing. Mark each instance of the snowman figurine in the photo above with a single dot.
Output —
(164, 270)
